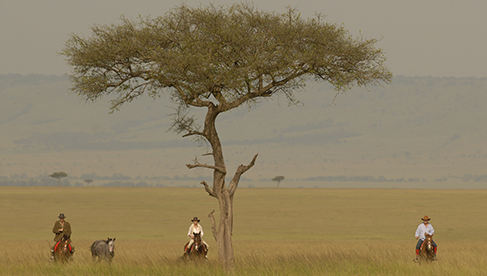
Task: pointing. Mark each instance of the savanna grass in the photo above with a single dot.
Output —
(258, 258)
(277, 231)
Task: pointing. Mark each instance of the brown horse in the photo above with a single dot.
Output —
(426, 252)
(198, 249)
(62, 250)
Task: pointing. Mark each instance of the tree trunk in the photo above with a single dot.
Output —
(223, 236)
(223, 232)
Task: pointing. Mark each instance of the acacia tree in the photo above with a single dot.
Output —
(218, 58)
(278, 179)
(58, 176)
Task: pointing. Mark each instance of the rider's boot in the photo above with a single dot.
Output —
(417, 254)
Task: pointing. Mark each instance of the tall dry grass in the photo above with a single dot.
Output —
(253, 258)
(277, 231)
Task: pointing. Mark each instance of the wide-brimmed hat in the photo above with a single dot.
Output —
(195, 218)
(61, 216)
(425, 218)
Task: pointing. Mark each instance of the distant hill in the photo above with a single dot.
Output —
(416, 127)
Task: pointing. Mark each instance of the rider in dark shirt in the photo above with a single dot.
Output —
(61, 227)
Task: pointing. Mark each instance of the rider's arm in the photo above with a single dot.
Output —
(201, 231)
(56, 228)
(190, 231)
(418, 232)
(67, 229)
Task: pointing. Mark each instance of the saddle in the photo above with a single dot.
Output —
(186, 249)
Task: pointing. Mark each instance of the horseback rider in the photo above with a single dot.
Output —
(61, 227)
(423, 228)
(195, 228)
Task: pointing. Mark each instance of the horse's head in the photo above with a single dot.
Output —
(197, 240)
(429, 241)
(65, 244)
(111, 245)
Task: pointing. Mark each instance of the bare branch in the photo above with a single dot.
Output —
(232, 187)
(207, 189)
(334, 98)
(192, 132)
(197, 165)
(213, 224)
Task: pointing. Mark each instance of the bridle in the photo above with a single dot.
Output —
(65, 248)
(429, 244)
(197, 241)
(111, 247)
(65, 245)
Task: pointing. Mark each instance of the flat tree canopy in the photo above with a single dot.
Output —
(58, 176)
(218, 58)
(278, 179)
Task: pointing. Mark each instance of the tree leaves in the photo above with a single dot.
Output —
(225, 55)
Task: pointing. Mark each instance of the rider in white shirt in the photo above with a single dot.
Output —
(423, 228)
(195, 228)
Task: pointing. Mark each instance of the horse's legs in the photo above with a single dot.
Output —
(205, 246)
(52, 254)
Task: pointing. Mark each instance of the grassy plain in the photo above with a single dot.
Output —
(277, 231)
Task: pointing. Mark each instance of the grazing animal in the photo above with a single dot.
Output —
(103, 249)
(427, 250)
(62, 250)
(198, 249)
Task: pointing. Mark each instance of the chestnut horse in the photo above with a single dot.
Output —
(198, 250)
(62, 250)
(426, 252)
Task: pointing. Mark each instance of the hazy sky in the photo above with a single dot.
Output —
(440, 38)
